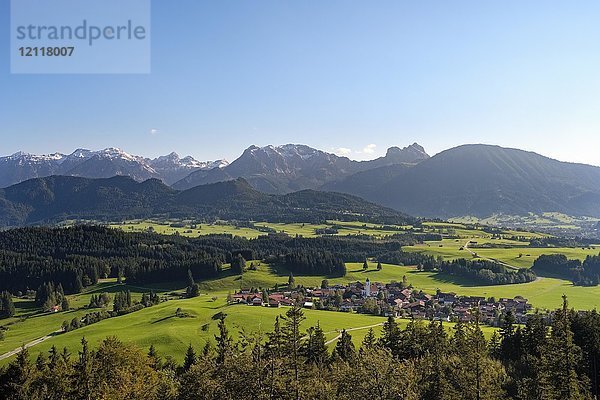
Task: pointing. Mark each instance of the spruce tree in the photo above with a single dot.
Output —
(390, 338)
(369, 341)
(559, 379)
(224, 342)
(314, 348)
(7, 307)
(190, 358)
(65, 304)
(293, 342)
(344, 349)
(154, 357)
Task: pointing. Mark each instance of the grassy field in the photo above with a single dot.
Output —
(160, 325)
(171, 334)
(292, 229)
(522, 257)
(188, 231)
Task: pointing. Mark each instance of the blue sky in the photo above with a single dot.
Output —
(330, 74)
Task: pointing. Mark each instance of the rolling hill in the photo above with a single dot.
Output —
(59, 198)
(481, 180)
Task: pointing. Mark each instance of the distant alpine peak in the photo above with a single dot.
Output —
(414, 152)
(414, 148)
(189, 162)
(23, 155)
(286, 150)
(115, 152)
(80, 153)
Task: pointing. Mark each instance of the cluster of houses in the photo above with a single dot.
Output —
(393, 299)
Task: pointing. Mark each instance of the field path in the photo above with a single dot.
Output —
(466, 247)
(350, 330)
(30, 344)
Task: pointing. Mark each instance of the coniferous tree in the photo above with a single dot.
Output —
(291, 281)
(435, 363)
(238, 264)
(224, 342)
(7, 308)
(154, 358)
(369, 341)
(390, 338)
(275, 349)
(65, 304)
(17, 380)
(559, 378)
(344, 349)
(314, 348)
(84, 367)
(586, 335)
(190, 358)
(293, 341)
(474, 374)
(190, 278)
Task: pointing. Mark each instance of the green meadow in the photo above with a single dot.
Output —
(521, 257)
(160, 325)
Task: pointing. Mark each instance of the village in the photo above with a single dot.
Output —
(397, 299)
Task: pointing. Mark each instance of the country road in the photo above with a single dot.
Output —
(352, 329)
(30, 344)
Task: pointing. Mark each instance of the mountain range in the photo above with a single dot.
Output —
(105, 163)
(59, 198)
(468, 180)
(481, 180)
(291, 167)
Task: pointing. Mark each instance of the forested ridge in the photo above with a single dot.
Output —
(60, 198)
(76, 257)
(548, 358)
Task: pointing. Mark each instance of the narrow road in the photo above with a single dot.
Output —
(30, 344)
(350, 330)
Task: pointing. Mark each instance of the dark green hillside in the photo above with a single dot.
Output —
(59, 198)
(367, 184)
(482, 180)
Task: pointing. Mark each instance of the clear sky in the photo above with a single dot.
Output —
(359, 76)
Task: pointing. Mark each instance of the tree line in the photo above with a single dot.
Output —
(486, 272)
(583, 274)
(76, 257)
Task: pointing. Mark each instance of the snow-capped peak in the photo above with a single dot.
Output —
(27, 157)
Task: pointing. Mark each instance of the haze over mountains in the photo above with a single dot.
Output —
(59, 198)
(99, 164)
(474, 180)
(288, 168)
(481, 180)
